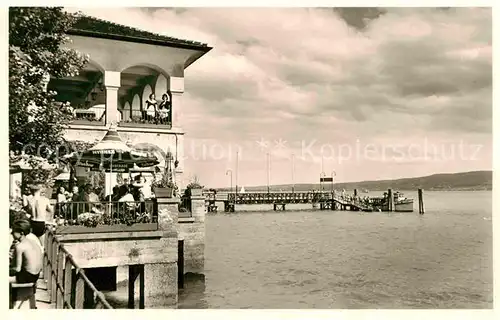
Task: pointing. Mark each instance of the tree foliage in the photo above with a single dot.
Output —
(36, 50)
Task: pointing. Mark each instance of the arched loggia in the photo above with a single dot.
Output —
(143, 80)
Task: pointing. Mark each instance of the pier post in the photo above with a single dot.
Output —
(193, 234)
(391, 200)
(420, 201)
(180, 263)
(132, 276)
(135, 275)
(229, 206)
(198, 208)
(142, 289)
(160, 279)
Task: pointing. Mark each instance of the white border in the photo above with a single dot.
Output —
(250, 314)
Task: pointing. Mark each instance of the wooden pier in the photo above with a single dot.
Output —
(279, 200)
(324, 200)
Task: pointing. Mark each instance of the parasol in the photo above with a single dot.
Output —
(112, 155)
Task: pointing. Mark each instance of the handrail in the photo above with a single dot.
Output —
(58, 271)
(110, 212)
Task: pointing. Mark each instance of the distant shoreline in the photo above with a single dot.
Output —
(462, 181)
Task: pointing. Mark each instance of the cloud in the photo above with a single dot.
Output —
(339, 74)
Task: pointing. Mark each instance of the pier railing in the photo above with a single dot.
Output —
(273, 197)
(264, 197)
(293, 197)
(66, 282)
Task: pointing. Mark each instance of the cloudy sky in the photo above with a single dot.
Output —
(369, 93)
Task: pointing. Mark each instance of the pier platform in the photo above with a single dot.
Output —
(279, 200)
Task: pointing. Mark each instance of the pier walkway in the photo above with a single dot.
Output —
(325, 199)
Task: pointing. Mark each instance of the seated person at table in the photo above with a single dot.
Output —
(27, 254)
(89, 194)
(126, 194)
(127, 197)
(115, 195)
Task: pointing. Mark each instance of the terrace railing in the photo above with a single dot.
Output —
(106, 216)
(67, 291)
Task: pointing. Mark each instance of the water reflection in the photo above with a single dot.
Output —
(192, 296)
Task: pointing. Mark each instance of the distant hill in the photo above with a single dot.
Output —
(470, 181)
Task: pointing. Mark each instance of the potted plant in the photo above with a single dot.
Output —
(194, 188)
(165, 187)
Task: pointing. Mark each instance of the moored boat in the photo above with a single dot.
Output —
(402, 204)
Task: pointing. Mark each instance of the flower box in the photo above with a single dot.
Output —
(196, 192)
(164, 192)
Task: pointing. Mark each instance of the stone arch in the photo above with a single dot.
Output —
(146, 91)
(135, 107)
(96, 65)
(161, 85)
(149, 65)
(126, 112)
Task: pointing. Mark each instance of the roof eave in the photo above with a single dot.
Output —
(198, 47)
(197, 56)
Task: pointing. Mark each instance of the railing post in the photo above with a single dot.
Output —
(67, 280)
(59, 280)
(53, 286)
(48, 267)
(79, 292)
(45, 257)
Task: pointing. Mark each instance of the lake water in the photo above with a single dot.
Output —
(341, 259)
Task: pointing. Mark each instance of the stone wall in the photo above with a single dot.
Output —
(156, 250)
(121, 248)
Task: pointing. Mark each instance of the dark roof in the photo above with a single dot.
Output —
(98, 28)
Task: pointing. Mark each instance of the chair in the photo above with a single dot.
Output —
(19, 293)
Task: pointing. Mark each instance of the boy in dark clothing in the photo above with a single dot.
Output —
(27, 253)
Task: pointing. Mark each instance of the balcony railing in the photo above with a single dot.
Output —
(140, 118)
(106, 216)
(92, 116)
